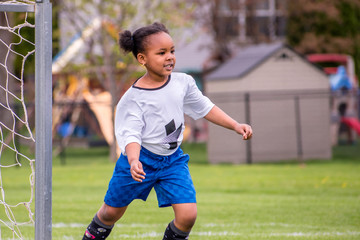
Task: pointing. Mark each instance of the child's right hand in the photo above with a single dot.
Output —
(245, 130)
(136, 170)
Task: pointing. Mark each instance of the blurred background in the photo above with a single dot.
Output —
(289, 68)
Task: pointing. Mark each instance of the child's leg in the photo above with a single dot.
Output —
(185, 216)
(109, 215)
(103, 222)
(180, 227)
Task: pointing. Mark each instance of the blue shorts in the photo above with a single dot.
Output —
(169, 175)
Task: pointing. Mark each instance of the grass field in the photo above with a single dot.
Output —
(320, 200)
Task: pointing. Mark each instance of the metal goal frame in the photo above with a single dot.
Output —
(43, 111)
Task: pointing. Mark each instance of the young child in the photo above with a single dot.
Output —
(149, 125)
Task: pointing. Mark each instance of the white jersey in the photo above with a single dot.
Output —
(154, 118)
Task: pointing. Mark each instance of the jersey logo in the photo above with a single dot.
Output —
(172, 134)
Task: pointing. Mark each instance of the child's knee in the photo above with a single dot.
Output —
(110, 215)
(190, 217)
(186, 219)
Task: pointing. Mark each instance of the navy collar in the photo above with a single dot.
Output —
(151, 89)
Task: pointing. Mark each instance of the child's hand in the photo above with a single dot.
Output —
(245, 130)
(136, 170)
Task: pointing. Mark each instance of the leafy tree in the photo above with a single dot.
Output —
(325, 26)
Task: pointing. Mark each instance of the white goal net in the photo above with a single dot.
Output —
(17, 114)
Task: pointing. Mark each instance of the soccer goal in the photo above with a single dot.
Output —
(25, 119)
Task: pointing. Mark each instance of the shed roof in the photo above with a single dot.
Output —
(244, 61)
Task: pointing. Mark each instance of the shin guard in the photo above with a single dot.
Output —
(173, 233)
(97, 230)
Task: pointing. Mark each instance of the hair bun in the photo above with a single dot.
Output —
(126, 41)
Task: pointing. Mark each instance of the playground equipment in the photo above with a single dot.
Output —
(352, 122)
(80, 112)
(345, 94)
(79, 108)
(331, 62)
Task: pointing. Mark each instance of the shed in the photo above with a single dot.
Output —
(283, 96)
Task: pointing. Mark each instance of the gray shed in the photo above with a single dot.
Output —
(282, 95)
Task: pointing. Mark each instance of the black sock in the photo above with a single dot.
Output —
(97, 230)
(173, 233)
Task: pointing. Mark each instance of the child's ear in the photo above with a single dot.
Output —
(141, 58)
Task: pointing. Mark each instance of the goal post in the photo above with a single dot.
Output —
(42, 10)
(43, 120)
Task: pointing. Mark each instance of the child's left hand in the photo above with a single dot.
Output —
(245, 130)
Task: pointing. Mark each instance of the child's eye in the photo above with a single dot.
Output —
(173, 51)
(161, 53)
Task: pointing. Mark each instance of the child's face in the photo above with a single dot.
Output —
(159, 57)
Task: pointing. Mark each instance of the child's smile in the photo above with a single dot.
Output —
(169, 67)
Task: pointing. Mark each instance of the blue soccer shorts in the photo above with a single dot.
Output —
(168, 175)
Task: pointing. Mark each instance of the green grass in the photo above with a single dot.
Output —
(319, 200)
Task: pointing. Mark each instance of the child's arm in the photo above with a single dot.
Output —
(136, 168)
(219, 117)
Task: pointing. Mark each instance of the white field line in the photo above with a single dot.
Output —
(210, 234)
(226, 233)
(153, 234)
(214, 233)
(315, 234)
(205, 225)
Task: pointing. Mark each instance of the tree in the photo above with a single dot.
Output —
(104, 60)
(234, 23)
(325, 26)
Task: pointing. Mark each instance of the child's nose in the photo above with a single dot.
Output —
(170, 56)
